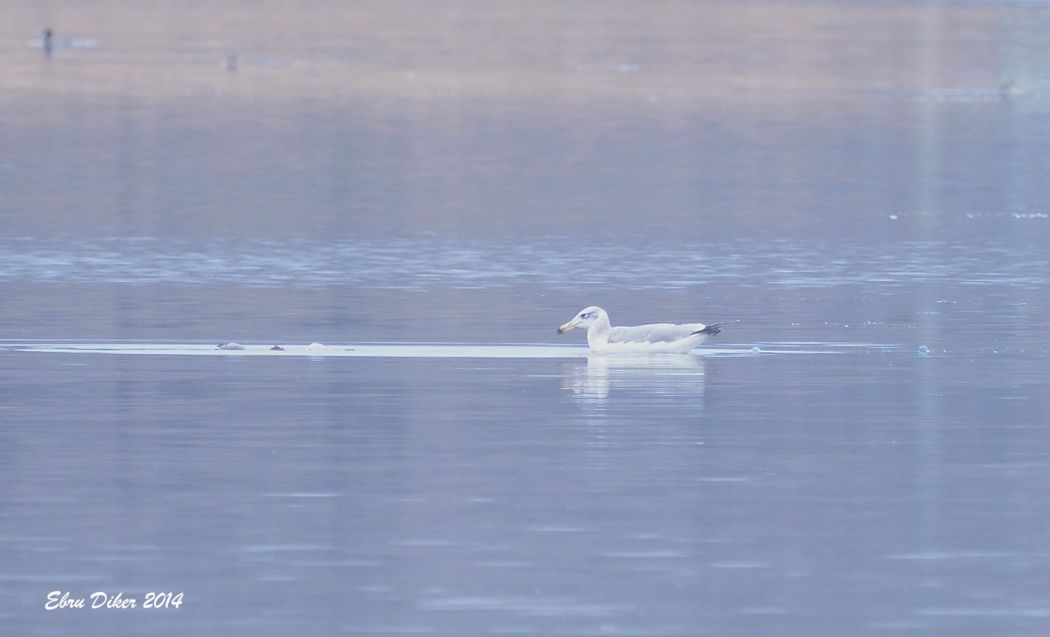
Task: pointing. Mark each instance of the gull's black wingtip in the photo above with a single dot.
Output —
(710, 329)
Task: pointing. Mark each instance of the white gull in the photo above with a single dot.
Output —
(653, 338)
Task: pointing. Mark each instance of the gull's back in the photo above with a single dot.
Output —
(654, 333)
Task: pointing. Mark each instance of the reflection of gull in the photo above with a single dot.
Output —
(681, 376)
(658, 337)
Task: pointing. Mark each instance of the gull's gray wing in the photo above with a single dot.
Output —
(655, 333)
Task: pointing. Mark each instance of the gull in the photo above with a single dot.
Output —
(653, 338)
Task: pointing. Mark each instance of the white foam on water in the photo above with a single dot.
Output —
(313, 350)
(369, 350)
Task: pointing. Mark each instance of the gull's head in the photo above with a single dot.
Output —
(585, 318)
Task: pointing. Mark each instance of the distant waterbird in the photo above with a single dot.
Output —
(49, 43)
(653, 338)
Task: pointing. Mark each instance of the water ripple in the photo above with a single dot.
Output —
(415, 264)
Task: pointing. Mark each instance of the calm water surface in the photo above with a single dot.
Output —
(859, 191)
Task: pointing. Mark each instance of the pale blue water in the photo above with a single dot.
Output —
(857, 190)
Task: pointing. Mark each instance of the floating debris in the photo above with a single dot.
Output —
(276, 348)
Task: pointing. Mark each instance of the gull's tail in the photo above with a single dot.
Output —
(710, 330)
